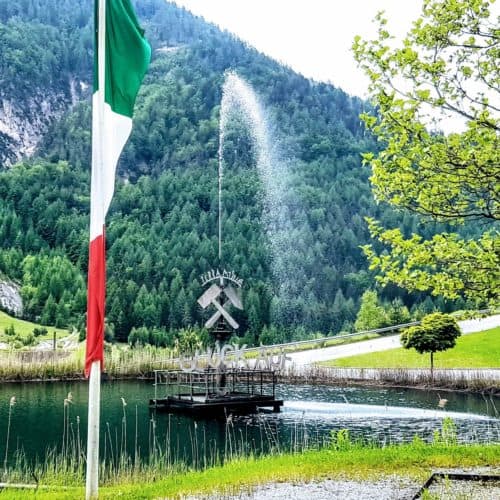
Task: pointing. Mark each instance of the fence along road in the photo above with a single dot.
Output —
(303, 358)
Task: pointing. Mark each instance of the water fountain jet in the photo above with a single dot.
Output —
(286, 249)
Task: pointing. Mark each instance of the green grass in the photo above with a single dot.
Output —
(415, 460)
(475, 350)
(23, 328)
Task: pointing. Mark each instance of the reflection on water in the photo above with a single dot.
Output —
(309, 415)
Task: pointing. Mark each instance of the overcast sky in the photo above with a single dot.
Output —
(314, 37)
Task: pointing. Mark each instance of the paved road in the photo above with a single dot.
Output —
(380, 344)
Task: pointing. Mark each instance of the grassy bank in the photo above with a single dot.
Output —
(476, 350)
(342, 460)
(24, 328)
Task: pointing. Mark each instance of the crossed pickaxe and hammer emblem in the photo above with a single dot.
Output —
(211, 296)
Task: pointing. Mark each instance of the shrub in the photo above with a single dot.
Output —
(10, 330)
(189, 341)
(39, 332)
(29, 339)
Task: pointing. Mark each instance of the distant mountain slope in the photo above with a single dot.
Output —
(46, 62)
(162, 224)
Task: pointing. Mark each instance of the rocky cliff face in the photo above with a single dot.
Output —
(10, 298)
(23, 123)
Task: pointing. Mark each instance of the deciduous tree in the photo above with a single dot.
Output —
(437, 332)
(371, 315)
(447, 65)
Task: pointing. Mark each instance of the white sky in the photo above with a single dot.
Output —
(314, 37)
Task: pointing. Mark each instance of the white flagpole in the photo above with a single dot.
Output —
(92, 484)
(92, 478)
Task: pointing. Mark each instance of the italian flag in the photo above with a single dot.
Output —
(121, 58)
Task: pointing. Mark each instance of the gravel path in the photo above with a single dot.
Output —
(393, 487)
(390, 488)
(465, 490)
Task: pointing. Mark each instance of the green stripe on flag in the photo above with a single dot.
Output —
(127, 55)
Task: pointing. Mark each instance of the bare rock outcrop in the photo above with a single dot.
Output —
(10, 298)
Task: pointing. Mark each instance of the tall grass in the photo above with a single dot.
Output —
(61, 365)
(140, 363)
(12, 402)
(66, 466)
(470, 380)
(121, 458)
(15, 367)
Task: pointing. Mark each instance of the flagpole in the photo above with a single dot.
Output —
(92, 484)
(92, 477)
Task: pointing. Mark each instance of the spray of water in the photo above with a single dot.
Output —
(239, 99)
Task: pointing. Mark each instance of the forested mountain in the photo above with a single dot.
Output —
(162, 226)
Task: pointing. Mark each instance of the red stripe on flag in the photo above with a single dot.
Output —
(95, 303)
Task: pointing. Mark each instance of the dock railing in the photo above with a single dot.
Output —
(212, 383)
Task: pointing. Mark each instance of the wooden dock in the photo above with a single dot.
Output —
(212, 393)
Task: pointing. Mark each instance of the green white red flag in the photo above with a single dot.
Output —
(127, 55)
(120, 62)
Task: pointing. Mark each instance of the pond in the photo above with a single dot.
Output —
(42, 420)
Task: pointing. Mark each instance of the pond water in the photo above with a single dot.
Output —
(41, 420)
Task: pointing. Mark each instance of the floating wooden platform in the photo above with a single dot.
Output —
(232, 403)
(212, 393)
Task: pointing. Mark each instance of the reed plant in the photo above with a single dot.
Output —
(160, 475)
(64, 464)
(469, 380)
(17, 366)
(14, 366)
(120, 361)
(12, 402)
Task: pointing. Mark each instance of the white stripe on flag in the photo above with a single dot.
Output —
(116, 131)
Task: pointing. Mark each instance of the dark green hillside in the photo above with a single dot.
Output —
(162, 226)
